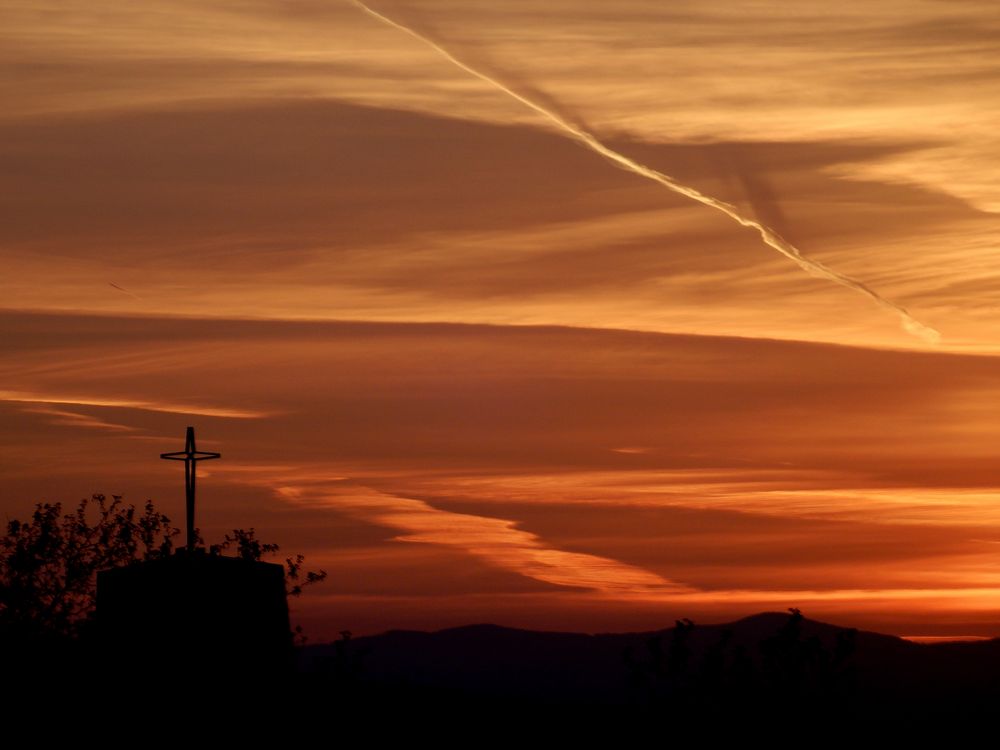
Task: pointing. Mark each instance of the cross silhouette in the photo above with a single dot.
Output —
(190, 456)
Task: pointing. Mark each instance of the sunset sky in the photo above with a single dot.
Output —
(474, 369)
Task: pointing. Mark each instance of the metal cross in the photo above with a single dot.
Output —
(190, 456)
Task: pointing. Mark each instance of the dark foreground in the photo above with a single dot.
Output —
(769, 667)
(764, 672)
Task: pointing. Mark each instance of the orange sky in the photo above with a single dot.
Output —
(472, 368)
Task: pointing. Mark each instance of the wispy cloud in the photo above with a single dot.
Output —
(115, 403)
(495, 540)
(768, 235)
(775, 492)
(74, 419)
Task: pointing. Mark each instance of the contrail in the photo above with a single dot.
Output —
(768, 235)
(124, 290)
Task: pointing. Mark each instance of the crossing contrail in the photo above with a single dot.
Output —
(768, 235)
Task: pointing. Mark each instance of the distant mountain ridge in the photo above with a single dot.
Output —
(770, 653)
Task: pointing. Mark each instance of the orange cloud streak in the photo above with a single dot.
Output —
(495, 540)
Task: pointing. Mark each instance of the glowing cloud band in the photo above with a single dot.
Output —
(768, 235)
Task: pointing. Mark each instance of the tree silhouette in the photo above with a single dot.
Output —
(787, 671)
(49, 564)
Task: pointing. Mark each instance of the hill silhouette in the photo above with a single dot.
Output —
(766, 663)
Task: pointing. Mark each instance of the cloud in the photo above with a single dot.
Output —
(205, 411)
(495, 540)
(773, 472)
(319, 168)
(768, 235)
(490, 224)
(74, 419)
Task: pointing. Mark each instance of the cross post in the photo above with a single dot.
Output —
(190, 456)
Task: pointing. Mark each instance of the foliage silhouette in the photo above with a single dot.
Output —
(49, 564)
